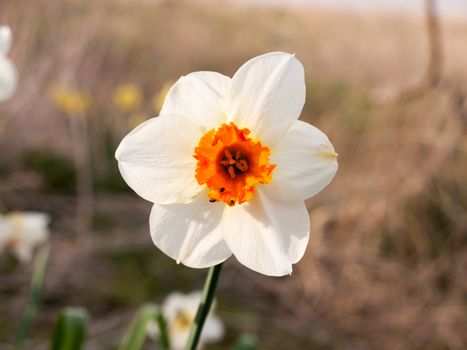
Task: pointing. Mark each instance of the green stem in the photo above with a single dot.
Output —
(35, 293)
(205, 305)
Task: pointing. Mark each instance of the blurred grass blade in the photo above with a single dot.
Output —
(35, 294)
(70, 330)
(137, 332)
(246, 342)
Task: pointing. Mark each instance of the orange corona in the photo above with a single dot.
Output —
(230, 164)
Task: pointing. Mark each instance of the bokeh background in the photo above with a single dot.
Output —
(386, 266)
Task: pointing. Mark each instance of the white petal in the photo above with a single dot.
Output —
(32, 219)
(34, 226)
(267, 95)
(190, 233)
(28, 230)
(193, 299)
(5, 40)
(179, 337)
(199, 96)
(213, 329)
(305, 159)
(23, 252)
(172, 304)
(156, 159)
(270, 232)
(176, 301)
(8, 78)
(152, 330)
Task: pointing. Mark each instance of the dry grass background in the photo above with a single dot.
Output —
(387, 260)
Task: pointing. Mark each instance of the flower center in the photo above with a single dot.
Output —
(234, 162)
(182, 320)
(230, 163)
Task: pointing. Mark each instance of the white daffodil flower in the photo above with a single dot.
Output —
(21, 232)
(179, 311)
(8, 74)
(228, 166)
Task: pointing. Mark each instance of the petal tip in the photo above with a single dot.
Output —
(6, 38)
(328, 155)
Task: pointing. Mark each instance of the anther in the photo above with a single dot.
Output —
(228, 155)
(212, 200)
(232, 202)
(242, 165)
(232, 172)
(221, 190)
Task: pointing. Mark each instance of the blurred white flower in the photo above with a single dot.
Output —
(21, 232)
(8, 74)
(179, 311)
(228, 166)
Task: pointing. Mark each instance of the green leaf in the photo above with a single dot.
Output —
(137, 331)
(70, 330)
(246, 342)
(35, 294)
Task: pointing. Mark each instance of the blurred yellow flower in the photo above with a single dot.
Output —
(70, 101)
(128, 97)
(135, 120)
(158, 100)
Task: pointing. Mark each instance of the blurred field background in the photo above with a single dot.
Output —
(386, 266)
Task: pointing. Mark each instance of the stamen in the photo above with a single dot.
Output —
(242, 165)
(228, 155)
(231, 171)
